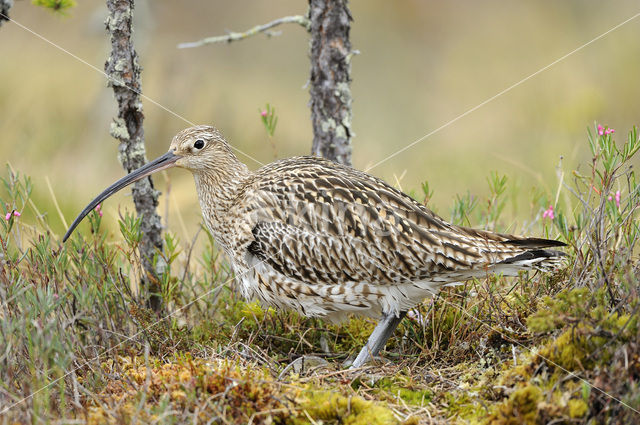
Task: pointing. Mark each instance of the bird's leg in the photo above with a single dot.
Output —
(387, 324)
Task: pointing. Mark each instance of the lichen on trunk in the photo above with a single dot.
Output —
(330, 78)
(123, 71)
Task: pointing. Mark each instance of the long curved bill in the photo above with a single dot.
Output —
(167, 160)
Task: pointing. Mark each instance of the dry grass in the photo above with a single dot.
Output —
(78, 343)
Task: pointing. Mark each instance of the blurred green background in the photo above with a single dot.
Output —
(422, 63)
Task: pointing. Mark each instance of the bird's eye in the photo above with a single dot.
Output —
(199, 144)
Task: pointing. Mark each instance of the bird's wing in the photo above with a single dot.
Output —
(330, 258)
(320, 222)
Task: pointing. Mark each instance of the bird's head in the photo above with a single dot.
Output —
(199, 149)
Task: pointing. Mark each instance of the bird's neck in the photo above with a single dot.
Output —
(217, 192)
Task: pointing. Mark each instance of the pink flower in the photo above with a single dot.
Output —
(98, 210)
(549, 213)
(263, 113)
(605, 131)
(8, 216)
(17, 214)
(616, 197)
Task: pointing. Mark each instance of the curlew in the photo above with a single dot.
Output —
(328, 240)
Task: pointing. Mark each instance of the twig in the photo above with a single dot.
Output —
(236, 36)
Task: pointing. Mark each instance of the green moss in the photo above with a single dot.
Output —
(569, 351)
(280, 333)
(587, 345)
(234, 392)
(577, 408)
(253, 310)
(461, 405)
(333, 408)
(406, 391)
(575, 305)
(520, 408)
(514, 375)
(557, 310)
(418, 398)
(353, 334)
(594, 332)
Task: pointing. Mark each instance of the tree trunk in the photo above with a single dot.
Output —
(123, 71)
(330, 78)
(5, 5)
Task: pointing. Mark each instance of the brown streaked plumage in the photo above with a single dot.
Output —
(327, 240)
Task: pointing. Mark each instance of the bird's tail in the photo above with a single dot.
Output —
(533, 255)
(513, 253)
(541, 259)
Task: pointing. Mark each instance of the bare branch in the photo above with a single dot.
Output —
(236, 36)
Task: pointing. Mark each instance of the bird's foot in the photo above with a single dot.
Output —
(349, 363)
(378, 338)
